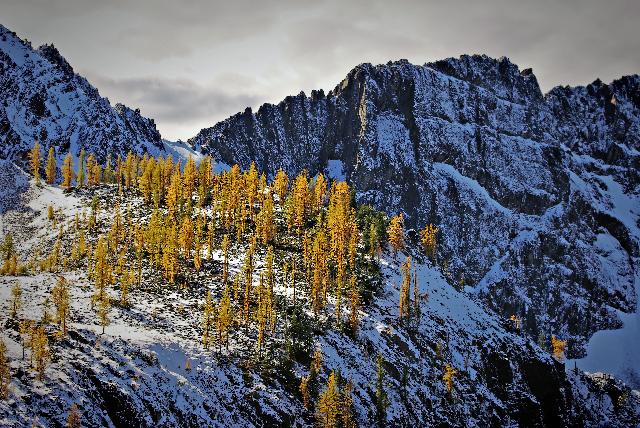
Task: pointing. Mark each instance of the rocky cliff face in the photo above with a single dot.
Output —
(535, 196)
(136, 373)
(42, 98)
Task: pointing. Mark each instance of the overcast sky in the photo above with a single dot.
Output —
(189, 64)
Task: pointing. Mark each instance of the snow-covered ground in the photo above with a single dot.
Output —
(135, 374)
(616, 352)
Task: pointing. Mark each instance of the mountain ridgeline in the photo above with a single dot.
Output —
(42, 98)
(529, 190)
(535, 196)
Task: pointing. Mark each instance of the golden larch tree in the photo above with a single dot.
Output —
(280, 185)
(67, 171)
(226, 245)
(103, 277)
(347, 412)
(189, 178)
(558, 346)
(428, 238)
(447, 378)
(50, 168)
(40, 351)
(265, 224)
(396, 233)
(329, 403)
(225, 318)
(35, 159)
(61, 300)
(186, 236)
(16, 299)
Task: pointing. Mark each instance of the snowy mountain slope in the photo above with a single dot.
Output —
(525, 188)
(135, 374)
(42, 98)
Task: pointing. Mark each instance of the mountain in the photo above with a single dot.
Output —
(535, 196)
(536, 201)
(42, 98)
(149, 367)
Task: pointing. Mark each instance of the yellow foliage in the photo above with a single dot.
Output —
(396, 233)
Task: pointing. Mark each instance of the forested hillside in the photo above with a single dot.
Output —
(152, 293)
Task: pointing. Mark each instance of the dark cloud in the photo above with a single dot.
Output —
(191, 61)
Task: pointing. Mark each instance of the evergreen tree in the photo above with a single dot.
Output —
(226, 244)
(103, 277)
(5, 374)
(50, 169)
(35, 160)
(208, 318)
(381, 398)
(374, 241)
(347, 410)
(354, 305)
(405, 288)
(304, 391)
(225, 318)
(108, 176)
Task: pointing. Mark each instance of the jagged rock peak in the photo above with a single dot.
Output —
(497, 75)
(62, 109)
(50, 52)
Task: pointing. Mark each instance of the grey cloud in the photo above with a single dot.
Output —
(210, 59)
(174, 101)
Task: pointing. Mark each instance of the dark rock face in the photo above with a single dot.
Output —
(42, 98)
(521, 185)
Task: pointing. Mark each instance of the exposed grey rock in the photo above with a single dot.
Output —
(512, 177)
